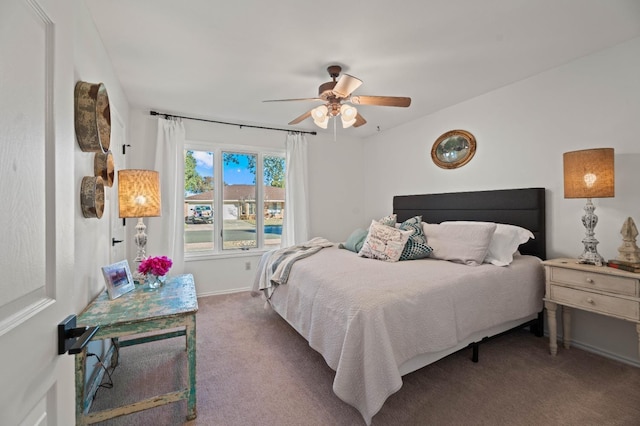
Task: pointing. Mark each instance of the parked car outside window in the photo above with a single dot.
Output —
(200, 214)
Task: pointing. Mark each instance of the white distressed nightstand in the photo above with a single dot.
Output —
(598, 289)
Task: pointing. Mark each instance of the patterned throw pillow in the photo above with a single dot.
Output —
(384, 242)
(416, 247)
(389, 220)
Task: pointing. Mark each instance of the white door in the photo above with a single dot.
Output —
(37, 200)
(118, 140)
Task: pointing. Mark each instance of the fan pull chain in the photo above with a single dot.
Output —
(335, 126)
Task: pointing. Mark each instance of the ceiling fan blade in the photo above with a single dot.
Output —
(359, 121)
(301, 118)
(346, 85)
(299, 99)
(395, 101)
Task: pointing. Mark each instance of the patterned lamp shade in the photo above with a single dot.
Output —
(138, 193)
(589, 173)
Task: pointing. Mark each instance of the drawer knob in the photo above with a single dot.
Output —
(590, 280)
(590, 300)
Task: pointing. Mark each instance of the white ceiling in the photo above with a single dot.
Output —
(220, 59)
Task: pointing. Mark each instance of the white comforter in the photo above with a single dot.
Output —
(368, 317)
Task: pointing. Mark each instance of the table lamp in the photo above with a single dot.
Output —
(139, 196)
(589, 174)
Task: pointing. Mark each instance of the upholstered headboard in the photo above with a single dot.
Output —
(521, 207)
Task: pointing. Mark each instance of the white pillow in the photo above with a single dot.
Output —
(504, 243)
(462, 243)
(384, 242)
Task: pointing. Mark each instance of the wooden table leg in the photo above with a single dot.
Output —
(553, 327)
(566, 326)
(192, 411)
(638, 331)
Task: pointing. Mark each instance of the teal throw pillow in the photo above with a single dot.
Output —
(355, 240)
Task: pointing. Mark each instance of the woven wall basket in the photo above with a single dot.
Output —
(104, 166)
(92, 196)
(92, 117)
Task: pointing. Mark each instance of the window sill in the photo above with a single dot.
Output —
(216, 256)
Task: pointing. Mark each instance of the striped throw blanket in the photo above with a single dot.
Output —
(275, 265)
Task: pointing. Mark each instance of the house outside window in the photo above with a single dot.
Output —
(233, 199)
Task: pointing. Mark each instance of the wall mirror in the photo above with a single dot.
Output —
(453, 149)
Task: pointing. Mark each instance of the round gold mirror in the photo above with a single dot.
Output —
(453, 149)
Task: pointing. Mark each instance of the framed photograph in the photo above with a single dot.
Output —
(118, 279)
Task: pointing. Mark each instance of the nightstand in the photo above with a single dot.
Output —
(598, 289)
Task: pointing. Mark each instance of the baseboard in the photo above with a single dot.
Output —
(598, 351)
(606, 354)
(218, 293)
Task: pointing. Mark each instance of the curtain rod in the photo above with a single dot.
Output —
(166, 116)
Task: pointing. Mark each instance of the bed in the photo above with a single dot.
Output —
(375, 321)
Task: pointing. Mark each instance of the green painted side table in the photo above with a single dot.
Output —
(152, 312)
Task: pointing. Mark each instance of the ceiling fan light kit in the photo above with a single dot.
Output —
(348, 115)
(320, 116)
(335, 94)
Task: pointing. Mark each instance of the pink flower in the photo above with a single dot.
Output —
(158, 265)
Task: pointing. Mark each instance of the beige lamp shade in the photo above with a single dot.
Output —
(589, 173)
(138, 193)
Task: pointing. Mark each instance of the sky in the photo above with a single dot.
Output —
(234, 174)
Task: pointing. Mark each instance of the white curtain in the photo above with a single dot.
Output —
(166, 233)
(295, 227)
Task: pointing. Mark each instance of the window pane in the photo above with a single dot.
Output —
(239, 201)
(274, 178)
(198, 201)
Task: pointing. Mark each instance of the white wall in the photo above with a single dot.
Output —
(335, 189)
(522, 130)
(92, 235)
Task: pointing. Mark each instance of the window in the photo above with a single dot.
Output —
(233, 199)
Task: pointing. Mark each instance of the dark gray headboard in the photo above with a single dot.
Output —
(521, 207)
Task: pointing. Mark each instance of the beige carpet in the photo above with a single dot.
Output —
(254, 369)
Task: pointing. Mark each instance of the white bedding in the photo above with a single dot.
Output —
(370, 319)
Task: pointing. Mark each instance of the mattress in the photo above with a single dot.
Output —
(374, 321)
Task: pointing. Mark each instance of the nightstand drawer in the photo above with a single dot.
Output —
(595, 281)
(610, 305)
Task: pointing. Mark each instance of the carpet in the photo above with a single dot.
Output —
(255, 369)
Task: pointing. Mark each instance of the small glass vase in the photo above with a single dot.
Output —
(154, 281)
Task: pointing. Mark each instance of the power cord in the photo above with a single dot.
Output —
(108, 371)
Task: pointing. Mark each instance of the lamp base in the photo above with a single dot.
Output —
(591, 259)
(138, 278)
(141, 241)
(590, 254)
(141, 245)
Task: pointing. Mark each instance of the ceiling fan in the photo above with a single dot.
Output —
(336, 96)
